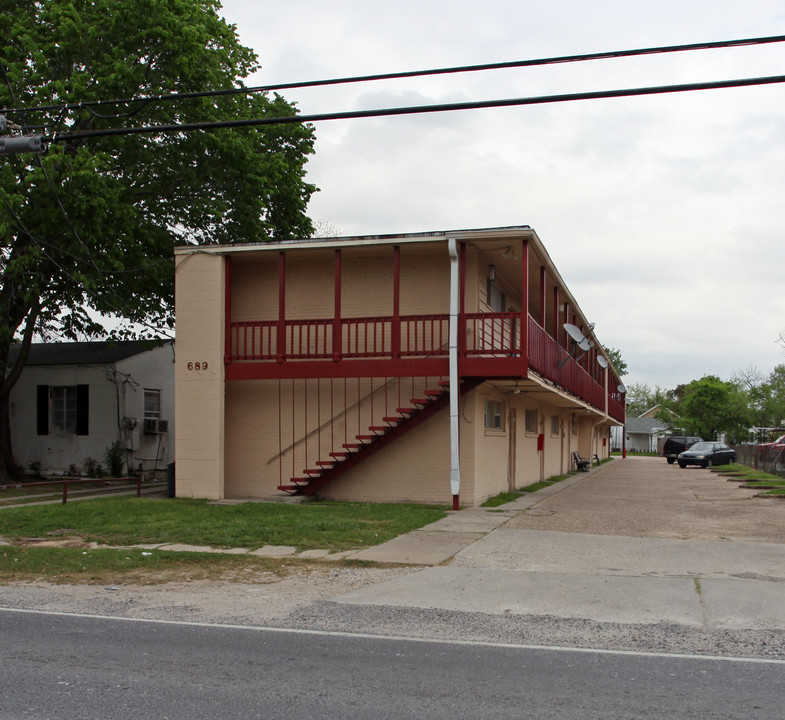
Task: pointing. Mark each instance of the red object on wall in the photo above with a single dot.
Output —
(541, 442)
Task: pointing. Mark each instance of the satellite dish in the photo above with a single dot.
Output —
(621, 388)
(580, 341)
(574, 332)
(602, 362)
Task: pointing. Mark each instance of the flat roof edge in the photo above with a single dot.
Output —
(358, 240)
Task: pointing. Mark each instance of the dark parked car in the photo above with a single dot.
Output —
(706, 454)
(676, 444)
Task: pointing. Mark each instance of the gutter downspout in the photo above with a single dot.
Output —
(455, 390)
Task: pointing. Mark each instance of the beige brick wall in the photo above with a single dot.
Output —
(199, 392)
(366, 283)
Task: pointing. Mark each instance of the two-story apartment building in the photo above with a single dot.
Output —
(416, 367)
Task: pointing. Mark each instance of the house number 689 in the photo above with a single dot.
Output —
(197, 366)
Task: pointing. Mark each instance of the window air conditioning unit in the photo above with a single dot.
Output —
(154, 426)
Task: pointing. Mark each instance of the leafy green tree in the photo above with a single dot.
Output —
(775, 388)
(614, 356)
(709, 407)
(92, 223)
(640, 398)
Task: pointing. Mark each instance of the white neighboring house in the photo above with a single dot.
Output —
(74, 400)
(642, 434)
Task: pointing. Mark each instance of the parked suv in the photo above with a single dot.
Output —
(676, 444)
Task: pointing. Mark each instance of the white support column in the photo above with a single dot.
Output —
(455, 390)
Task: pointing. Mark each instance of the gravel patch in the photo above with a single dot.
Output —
(302, 600)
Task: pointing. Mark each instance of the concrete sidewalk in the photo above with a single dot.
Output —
(493, 565)
(438, 542)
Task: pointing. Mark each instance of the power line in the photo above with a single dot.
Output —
(536, 62)
(421, 109)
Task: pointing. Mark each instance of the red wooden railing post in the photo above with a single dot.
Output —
(395, 330)
(524, 306)
(462, 335)
(281, 333)
(337, 322)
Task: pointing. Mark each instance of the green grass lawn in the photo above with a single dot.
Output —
(750, 478)
(129, 521)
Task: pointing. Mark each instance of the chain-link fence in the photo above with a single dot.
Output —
(768, 459)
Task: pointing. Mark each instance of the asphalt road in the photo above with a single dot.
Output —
(79, 667)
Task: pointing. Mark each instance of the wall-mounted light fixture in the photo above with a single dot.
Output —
(491, 272)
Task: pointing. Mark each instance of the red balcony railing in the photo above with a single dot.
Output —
(487, 335)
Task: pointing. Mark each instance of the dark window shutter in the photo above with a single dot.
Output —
(82, 409)
(42, 412)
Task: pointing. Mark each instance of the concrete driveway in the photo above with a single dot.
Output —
(635, 541)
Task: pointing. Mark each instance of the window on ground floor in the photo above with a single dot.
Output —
(152, 403)
(63, 409)
(494, 414)
(531, 421)
(554, 424)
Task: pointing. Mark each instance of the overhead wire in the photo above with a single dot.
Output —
(535, 62)
(420, 109)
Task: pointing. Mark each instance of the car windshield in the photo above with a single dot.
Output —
(702, 447)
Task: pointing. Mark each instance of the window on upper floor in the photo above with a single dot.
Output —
(495, 296)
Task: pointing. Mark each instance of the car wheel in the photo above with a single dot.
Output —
(709, 463)
(682, 465)
(671, 461)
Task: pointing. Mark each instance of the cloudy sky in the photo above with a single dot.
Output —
(665, 214)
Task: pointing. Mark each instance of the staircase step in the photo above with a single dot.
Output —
(365, 437)
(406, 411)
(291, 489)
(325, 463)
(434, 393)
(379, 428)
(351, 446)
(315, 471)
(392, 419)
(301, 481)
(339, 455)
(444, 383)
(419, 401)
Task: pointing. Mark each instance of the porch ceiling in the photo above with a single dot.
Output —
(540, 390)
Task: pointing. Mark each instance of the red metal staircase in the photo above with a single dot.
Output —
(378, 436)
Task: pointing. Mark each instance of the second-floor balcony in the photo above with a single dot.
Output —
(489, 345)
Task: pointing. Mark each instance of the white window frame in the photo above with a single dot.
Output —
(494, 415)
(154, 397)
(62, 409)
